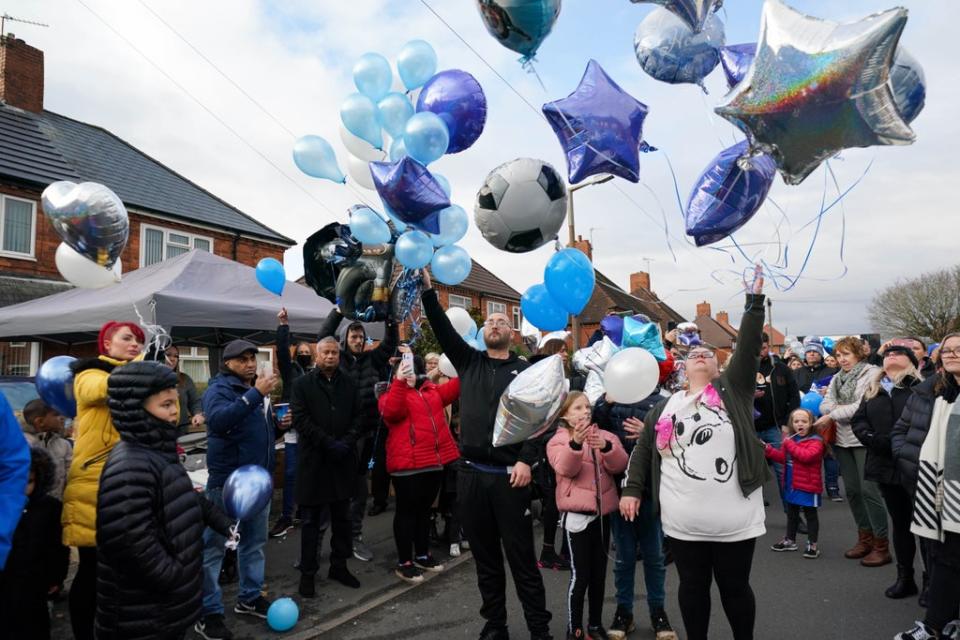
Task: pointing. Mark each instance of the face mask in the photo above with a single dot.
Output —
(305, 360)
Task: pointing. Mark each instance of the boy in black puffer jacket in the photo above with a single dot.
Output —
(149, 519)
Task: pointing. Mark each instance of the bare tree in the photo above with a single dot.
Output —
(927, 306)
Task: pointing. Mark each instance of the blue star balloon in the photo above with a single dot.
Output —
(693, 12)
(727, 194)
(411, 193)
(736, 60)
(600, 127)
(645, 335)
(817, 87)
(519, 25)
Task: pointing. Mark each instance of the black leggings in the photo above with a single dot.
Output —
(944, 591)
(698, 563)
(588, 571)
(900, 507)
(411, 520)
(793, 521)
(83, 594)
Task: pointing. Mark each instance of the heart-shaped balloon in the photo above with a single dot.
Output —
(90, 218)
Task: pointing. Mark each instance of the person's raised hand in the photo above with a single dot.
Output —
(580, 431)
(671, 336)
(427, 282)
(755, 287)
(267, 382)
(521, 475)
(634, 427)
(282, 317)
(629, 508)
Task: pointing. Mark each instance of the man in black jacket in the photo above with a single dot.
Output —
(813, 368)
(366, 369)
(326, 414)
(776, 396)
(492, 483)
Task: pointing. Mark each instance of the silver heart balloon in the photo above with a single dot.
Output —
(531, 403)
(89, 217)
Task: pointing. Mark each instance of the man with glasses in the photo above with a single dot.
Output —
(492, 483)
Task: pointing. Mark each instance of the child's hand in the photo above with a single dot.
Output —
(580, 432)
(594, 439)
(629, 507)
(785, 431)
(634, 427)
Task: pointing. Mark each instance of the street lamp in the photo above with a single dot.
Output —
(571, 230)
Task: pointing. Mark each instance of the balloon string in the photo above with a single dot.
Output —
(843, 219)
(159, 340)
(526, 62)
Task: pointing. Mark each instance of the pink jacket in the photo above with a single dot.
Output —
(576, 472)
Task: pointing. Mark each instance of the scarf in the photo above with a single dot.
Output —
(937, 502)
(847, 383)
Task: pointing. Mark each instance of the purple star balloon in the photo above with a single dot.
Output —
(736, 60)
(600, 127)
(411, 192)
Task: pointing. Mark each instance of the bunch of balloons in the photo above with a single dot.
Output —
(464, 324)
(93, 224)
(567, 286)
(626, 374)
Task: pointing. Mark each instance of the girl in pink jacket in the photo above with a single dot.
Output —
(586, 460)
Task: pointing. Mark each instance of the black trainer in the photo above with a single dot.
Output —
(283, 525)
(661, 625)
(212, 627)
(308, 588)
(344, 577)
(622, 624)
(409, 573)
(428, 563)
(257, 608)
(597, 632)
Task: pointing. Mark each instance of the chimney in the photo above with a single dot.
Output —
(21, 74)
(585, 246)
(639, 280)
(723, 318)
(703, 309)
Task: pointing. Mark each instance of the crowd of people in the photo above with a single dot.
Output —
(675, 477)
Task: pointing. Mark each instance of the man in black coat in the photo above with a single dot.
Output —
(813, 369)
(326, 414)
(776, 396)
(493, 490)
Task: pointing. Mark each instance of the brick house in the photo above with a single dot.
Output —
(718, 331)
(169, 214)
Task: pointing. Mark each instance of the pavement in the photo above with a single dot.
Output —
(831, 597)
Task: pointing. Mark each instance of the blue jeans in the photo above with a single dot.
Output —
(773, 436)
(289, 477)
(644, 535)
(250, 558)
(831, 469)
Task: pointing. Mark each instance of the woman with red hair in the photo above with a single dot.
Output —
(95, 436)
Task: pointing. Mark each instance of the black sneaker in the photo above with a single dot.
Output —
(212, 627)
(283, 525)
(597, 632)
(835, 496)
(308, 588)
(919, 632)
(812, 552)
(784, 545)
(428, 563)
(376, 509)
(494, 633)
(257, 608)
(408, 572)
(661, 625)
(622, 624)
(344, 577)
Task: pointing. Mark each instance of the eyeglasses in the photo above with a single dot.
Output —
(701, 355)
(950, 353)
(496, 323)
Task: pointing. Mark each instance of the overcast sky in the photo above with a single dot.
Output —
(295, 57)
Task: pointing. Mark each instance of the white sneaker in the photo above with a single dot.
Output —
(919, 632)
(951, 631)
(455, 550)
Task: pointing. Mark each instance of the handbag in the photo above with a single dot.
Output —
(829, 431)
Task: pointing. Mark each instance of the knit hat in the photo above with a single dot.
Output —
(813, 346)
(905, 350)
(110, 328)
(128, 387)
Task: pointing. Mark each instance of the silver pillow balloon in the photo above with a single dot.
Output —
(593, 387)
(89, 217)
(595, 357)
(531, 403)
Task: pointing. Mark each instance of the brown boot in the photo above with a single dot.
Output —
(879, 556)
(863, 547)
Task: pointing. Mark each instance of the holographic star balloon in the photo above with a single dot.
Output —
(600, 127)
(693, 12)
(816, 87)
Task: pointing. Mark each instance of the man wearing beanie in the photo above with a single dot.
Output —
(813, 368)
(240, 431)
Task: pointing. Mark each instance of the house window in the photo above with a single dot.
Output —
(158, 244)
(463, 302)
(17, 220)
(516, 318)
(193, 362)
(496, 307)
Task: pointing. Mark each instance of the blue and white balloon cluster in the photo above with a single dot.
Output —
(567, 285)
(464, 324)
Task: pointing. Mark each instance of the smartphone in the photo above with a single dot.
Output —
(406, 363)
(671, 325)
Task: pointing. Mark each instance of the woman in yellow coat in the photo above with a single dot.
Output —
(95, 436)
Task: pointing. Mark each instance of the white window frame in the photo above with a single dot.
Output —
(516, 317)
(496, 307)
(464, 302)
(33, 228)
(166, 240)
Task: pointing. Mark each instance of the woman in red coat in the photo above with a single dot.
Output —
(419, 444)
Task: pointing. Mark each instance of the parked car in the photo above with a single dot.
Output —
(18, 391)
(192, 448)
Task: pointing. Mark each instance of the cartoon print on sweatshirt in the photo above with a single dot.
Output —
(693, 443)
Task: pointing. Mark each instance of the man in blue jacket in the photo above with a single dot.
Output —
(14, 469)
(240, 431)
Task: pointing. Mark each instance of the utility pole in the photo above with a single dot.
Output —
(572, 233)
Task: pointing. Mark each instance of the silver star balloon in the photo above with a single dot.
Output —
(816, 87)
(693, 12)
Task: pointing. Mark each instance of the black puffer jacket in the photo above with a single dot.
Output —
(149, 520)
(911, 429)
(873, 425)
(807, 375)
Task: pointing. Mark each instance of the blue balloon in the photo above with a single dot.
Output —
(247, 492)
(451, 265)
(416, 63)
(426, 137)
(726, 195)
(669, 50)
(444, 183)
(645, 335)
(397, 149)
(410, 192)
(736, 60)
(908, 83)
(477, 342)
(541, 310)
(932, 348)
(414, 249)
(458, 99)
(453, 222)
(394, 218)
(612, 327)
(395, 109)
(315, 157)
(811, 402)
(359, 115)
(828, 344)
(55, 385)
(600, 127)
(519, 25)
(271, 276)
(372, 76)
(283, 614)
(569, 278)
(367, 227)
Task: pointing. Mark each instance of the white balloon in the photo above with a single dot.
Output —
(446, 367)
(359, 147)
(462, 323)
(359, 171)
(84, 273)
(631, 375)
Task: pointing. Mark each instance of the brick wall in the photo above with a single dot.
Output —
(21, 74)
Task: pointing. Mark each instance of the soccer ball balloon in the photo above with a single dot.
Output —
(521, 205)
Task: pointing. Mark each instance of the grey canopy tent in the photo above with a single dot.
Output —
(199, 298)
